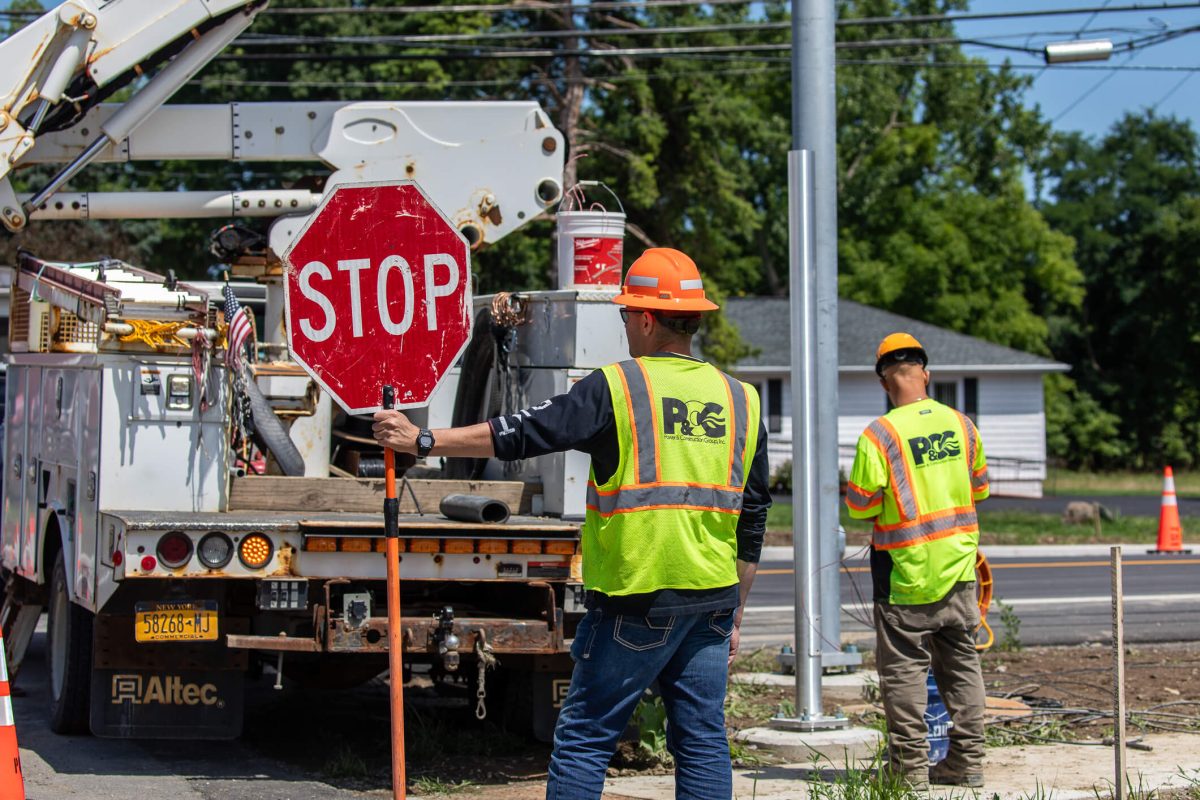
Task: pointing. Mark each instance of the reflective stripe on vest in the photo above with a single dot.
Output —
(926, 528)
(979, 480)
(641, 411)
(737, 445)
(859, 500)
(884, 437)
(640, 498)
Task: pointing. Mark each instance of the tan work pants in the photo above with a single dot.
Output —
(908, 640)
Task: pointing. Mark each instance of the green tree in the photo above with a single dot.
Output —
(934, 222)
(1131, 201)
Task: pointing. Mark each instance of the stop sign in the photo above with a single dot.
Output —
(378, 291)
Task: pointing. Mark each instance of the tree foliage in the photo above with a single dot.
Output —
(1131, 201)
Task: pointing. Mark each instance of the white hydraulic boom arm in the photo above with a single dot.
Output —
(57, 67)
(490, 167)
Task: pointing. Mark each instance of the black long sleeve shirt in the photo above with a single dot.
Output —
(583, 419)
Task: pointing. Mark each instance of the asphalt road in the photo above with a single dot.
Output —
(1127, 505)
(88, 768)
(1059, 601)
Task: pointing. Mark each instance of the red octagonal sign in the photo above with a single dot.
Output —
(378, 291)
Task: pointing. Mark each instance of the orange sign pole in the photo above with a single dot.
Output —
(391, 527)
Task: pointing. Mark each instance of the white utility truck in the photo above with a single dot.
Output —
(171, 560)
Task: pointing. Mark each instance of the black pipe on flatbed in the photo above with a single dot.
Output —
(474, 508)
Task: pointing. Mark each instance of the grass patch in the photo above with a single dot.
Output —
(1061, 481)
(345, 763)
(779, 517)
(1029, 527)
(760, 660)
(1007, 527)
(428, 785)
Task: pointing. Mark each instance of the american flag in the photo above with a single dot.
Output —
(241, 328)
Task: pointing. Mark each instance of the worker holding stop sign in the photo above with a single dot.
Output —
(378, 302)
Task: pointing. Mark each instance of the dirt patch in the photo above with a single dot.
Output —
(1069, 689)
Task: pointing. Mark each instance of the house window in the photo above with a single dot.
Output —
(774, 405)
(946, 393)
(971, 399)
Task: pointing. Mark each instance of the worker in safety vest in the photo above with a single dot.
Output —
(676, 509)
(918, 472)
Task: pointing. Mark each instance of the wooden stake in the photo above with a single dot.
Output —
(391, 527)
(1118, 631)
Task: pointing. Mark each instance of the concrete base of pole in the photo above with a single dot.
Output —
(830, 659)
(837, 747)
(836, 690)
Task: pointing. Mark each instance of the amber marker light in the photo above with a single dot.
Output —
(320, 544)
(255, 551)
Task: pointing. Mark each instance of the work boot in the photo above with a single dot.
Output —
(941, 775)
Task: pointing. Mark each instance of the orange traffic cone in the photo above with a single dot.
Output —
(1170, 532)
(12, 785)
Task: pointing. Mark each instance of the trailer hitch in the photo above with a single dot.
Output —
(445, 638)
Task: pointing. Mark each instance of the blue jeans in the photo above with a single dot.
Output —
(616, 658)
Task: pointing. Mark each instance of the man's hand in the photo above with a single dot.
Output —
(392, 429)
(745, 571)
(734, 640)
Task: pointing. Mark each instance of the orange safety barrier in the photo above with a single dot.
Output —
(12, 785)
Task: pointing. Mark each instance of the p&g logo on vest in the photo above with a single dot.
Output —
(693, 420)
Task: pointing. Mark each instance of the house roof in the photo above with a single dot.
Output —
(765, 324)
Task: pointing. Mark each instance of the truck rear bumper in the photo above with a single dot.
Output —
(532, 637)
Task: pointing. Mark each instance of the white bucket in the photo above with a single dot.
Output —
(590, 248)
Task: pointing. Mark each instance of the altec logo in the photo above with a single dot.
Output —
(692, 419)
(935, 447)
(168, 690)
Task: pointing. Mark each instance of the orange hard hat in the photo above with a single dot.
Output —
(663, 279)
(897, 347)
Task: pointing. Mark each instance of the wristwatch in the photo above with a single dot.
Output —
(425, 442)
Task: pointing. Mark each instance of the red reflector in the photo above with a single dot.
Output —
(118, 558)
(148, 563)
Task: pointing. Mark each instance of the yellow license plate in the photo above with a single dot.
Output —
(176, 621)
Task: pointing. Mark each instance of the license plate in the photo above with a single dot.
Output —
(176, 621)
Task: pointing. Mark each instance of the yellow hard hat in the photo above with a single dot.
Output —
(663, 279)
(897, 347)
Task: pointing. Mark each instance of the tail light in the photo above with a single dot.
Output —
(255, 551)
(215, 550)
(174, 549)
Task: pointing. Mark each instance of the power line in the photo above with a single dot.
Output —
(255, 40)
(1173, 90)
(615, 5)
(604, 6)
(418, 39)
(768, 65)
(689, 51)
(1089, 92)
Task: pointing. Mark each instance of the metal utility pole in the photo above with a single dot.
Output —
(812, 198)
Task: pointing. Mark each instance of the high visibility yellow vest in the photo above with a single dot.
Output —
(919, 470)
(667, 518)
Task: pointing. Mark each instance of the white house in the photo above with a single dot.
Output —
(997, 387)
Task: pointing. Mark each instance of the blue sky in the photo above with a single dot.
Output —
(1061, 92)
